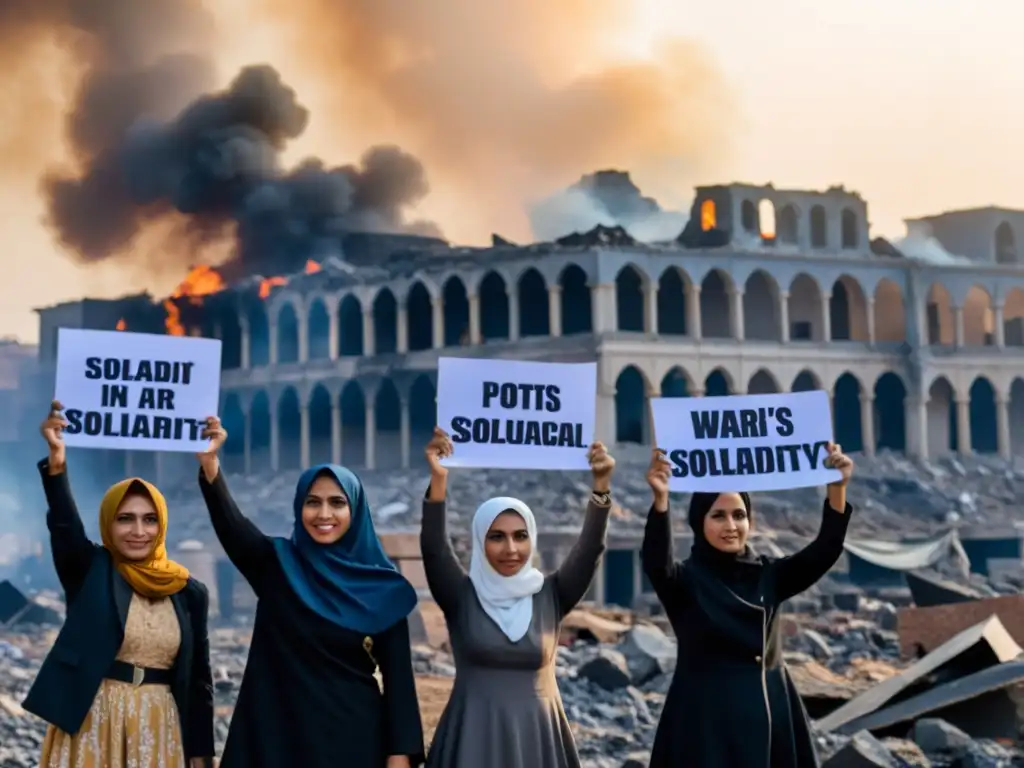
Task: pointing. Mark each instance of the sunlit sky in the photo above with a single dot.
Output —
(916, 104)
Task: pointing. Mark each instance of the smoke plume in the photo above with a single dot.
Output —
(510, 101)
(150, 143)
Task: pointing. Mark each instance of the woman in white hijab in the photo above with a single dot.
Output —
(503, 619)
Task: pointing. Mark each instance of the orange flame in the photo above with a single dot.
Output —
(121, 325)
(200, 281)
(269, 283)
(312, 267)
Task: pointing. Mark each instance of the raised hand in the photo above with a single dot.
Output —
(216, 434)
(658, 474)
(440, 447)
(836, 459)
(602, 464)
(52, 430)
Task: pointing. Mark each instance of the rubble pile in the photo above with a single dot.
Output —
(893, 495)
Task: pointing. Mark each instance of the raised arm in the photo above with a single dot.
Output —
(404, 729)
(245, 545)
(657, 554)
(200, 742)
(445, 574)
(575, 574)
(72, 550)
(801, 570)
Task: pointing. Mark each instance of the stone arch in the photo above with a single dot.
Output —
(766, 219)
(287, 334)
(984, 433)
(387, 418)
(534, 312)
(708, 215)
(804, 305)
(353, 424)
(818, 227)
(630, 299)
(763, 382)
(385, 323)
(232, 416)
(718, 383)
(939, 316)
(632, 406)
(231, 339)
(577, 310)
(320, 425)
(318, 332)
(979, 329)
(890, 312)
(849, 236)
(715, 305)
(289, 433)
(350, 327)
(1005, 244)
(1016, 416)
(419, 318)
(789, 225)
(846, 412)
(422, 411)
(761, 308)
(806, 381)
(676, 383)
(455, 301)
(848, 310)
(672, 297)
(1013, 317)
(748, 216)
(941, 415)
(890, 412)
(259, 333)
(494, 311)
(259, 431)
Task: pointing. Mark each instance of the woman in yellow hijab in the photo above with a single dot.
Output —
(128, 681)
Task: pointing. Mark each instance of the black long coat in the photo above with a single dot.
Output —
(97, 607)
(731, 703)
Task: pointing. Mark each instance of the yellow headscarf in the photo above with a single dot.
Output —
(157, 576)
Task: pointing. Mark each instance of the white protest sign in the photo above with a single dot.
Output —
(512, 414)
(745, 442)
(136, 391)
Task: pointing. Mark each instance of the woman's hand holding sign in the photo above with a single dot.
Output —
(440, 447)
(836, 459)
(658, 474)
(52, 430)
(208, 460)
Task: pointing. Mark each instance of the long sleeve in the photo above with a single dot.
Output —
(200, 711)
(245, 545)
(801, 570)
(574, 575)
(445, 574)
(657, 556)
(401, 704)
(72, 550)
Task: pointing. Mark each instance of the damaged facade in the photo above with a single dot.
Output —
(340, 361)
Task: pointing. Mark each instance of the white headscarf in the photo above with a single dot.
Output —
(508, 600)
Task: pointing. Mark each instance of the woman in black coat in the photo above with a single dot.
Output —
(127, 683)
(732, 703)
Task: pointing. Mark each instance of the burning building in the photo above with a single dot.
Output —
(764, 290)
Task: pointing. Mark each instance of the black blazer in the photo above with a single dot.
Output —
(97, 606)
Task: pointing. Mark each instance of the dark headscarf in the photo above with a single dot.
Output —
(739, 570)
(351, 582)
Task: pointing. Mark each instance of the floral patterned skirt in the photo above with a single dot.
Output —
(127, 727)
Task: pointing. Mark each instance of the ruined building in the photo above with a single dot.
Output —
(765, 290)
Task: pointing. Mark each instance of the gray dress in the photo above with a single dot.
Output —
(505, 710)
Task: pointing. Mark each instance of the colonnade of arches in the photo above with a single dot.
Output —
(868, 416)
(805, 309)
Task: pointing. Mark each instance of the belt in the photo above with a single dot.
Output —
(124, 672)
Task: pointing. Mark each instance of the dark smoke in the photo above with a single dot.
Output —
(147, 145)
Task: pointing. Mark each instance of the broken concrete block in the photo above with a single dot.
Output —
(935, 735)
(863, 751)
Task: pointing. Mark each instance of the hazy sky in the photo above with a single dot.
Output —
(916, 104)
